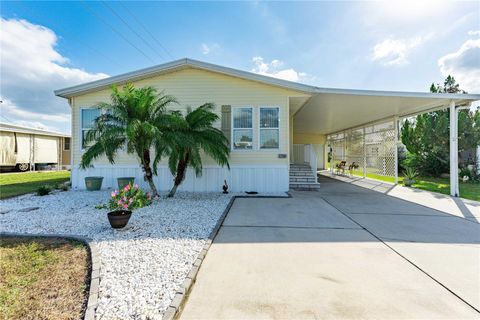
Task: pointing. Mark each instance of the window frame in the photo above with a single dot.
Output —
(232, 133)
(69, 143)
(260, 128)
(82, 148)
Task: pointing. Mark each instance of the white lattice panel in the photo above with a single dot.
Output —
(371, 147)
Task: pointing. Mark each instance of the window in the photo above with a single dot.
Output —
(88, 116)
(66, 144)
(242, 128)
(269, 128)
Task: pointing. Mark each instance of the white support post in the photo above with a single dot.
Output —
(364, 155)
(454, 190)
(395, 123)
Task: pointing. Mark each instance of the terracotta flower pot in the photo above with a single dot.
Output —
(93, 183)
(119, 218)
(123, 181)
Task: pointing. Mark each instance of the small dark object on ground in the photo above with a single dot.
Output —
(28, 209)
(251, 192)
(225, 187)
(119, 218)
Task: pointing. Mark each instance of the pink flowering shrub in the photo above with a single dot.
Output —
(129, 198)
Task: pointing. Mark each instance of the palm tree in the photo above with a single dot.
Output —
(188, 136)
(134, 119)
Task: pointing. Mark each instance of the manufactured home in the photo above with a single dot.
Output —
(280, 132)
(29, 148)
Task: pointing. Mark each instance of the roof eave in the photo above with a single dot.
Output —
(463, 97)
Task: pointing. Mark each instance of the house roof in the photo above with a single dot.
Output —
(28, 130)
(190, 63)
(175, 66)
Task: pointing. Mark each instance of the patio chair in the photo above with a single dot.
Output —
(352, 167)
(340, 167)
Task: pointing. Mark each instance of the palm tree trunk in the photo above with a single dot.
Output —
(148, 172)
(180, 176)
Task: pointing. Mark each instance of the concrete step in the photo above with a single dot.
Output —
(299, 168)
(302, 179)
(304, 186)
(301, 173)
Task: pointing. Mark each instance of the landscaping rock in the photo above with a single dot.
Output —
(141, 266)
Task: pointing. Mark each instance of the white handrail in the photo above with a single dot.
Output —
(312, 159)
(305, 154)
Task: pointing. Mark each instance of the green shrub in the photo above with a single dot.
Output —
(410, 173)
(471, 174)
(44, 190)
(62, 187)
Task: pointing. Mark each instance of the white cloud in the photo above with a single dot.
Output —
(474, 33)
(10, 110)
(395, 51)
(209, 48)
(273, 69)
(31, 69)
(464, 65)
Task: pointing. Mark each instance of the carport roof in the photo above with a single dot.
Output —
(332, 110)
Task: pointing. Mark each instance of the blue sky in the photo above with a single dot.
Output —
(391, 45)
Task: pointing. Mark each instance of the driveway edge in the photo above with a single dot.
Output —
(94, 266)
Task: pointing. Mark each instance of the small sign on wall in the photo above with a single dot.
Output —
(282, 155)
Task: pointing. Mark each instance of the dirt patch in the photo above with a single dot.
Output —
(43, 278)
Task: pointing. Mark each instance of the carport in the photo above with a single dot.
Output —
(362, 126)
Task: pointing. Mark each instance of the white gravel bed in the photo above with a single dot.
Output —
(142, 265)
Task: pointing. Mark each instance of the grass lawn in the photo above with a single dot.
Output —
(468, 190)
(15, 184)
(42, 278)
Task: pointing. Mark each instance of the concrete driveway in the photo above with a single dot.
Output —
(341, 253)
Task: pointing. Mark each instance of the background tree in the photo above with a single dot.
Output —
(133, 119)
(450, 85)
(188, 137)
(427, 138)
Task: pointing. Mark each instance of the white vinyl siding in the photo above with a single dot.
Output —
(87, 118)
(242, 131)
(269, 122)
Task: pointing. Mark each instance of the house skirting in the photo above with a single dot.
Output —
(260, 178)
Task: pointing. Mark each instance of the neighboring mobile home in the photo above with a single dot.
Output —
(26, 148)
(270, 124)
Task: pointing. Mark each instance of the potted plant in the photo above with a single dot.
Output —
(93, 183)
(123, 202)
(123, 181)
(410, 175)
